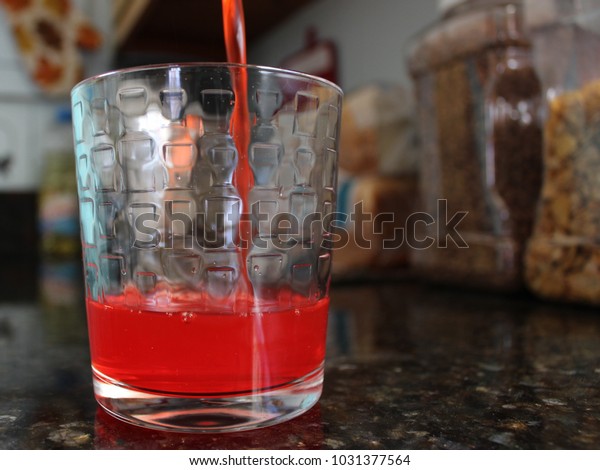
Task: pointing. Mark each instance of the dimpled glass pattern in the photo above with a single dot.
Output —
(156, 165)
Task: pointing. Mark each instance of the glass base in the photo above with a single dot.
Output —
(208, 414)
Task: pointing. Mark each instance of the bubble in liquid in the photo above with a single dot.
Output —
(187, 317)
(297, 312)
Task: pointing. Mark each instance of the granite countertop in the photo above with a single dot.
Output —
(410, 366)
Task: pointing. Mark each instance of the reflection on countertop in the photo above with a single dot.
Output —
(410, 366)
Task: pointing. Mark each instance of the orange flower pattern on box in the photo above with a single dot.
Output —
(16, 5)
(60, 7)
(49, 34)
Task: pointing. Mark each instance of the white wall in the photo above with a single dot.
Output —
(370, 35)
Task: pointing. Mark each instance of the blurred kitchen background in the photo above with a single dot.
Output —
(445, 101)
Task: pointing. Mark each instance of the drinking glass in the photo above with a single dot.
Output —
(207, 203)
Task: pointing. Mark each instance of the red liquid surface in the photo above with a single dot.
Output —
(206, 353)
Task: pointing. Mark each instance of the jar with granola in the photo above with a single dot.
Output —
(478, 103)
(563, 256)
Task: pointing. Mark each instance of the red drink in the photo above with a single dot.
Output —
(198, 353)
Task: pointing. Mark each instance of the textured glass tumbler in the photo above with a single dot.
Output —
(207, 200)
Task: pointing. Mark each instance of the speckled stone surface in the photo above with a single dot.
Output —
(409, 366)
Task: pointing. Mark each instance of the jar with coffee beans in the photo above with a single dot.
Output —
(478, 102)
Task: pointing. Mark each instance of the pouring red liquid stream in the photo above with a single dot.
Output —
(235, 44)
(235, 31)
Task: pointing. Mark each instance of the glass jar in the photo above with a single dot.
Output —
(563, 256)
(478, 103)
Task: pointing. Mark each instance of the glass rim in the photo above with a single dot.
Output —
(89, 81)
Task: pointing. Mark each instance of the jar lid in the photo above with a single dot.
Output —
(445, 5)
(545, 12)
(540, 13)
